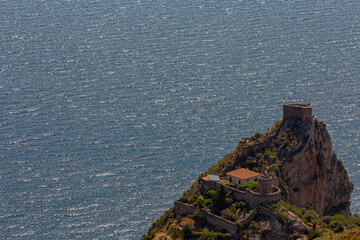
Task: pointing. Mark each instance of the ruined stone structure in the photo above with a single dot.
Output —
(221, 223)
(266, 193)
(265, 184)
(216, 221)
(302, 111)
(253, 197)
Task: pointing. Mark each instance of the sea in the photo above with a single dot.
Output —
(110, 109)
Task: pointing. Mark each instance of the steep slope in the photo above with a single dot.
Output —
(300, 154)
(297, 150)
(315, 178)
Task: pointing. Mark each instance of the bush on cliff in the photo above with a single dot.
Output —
(250, 184)
(314, 234)
(281, 219)
(219, 202)
(187, 231)
(336, 226)
(213, 236)
(211, 194)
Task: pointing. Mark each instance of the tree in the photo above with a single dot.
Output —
(219, 201)
(187, 231)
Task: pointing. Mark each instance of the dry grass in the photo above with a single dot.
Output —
(346, 235)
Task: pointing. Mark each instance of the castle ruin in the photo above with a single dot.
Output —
(302, 111)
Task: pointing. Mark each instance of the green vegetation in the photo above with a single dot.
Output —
(222, 204)
(256, 136)
(271, 206)
(314, 234)
(254, 226)
(336, 226)
(165, 220)
(281, 219)
(197, 215)
(175, 233)
(213, 236)
(188, 233)
(250, 184)
(327, 226)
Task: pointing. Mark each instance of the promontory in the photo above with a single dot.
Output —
(286, 183)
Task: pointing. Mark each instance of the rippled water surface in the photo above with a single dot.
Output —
(109, 110)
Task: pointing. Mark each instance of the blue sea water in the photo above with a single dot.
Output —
(110, 109)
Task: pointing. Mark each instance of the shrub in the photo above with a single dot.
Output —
(311, 216)
(269, 154)
(193, 198)
(314, 234)
(336, 226)
(199, 202)
(208, 202)
(219, 202)
(256, 136)
(341, 218)
(253, 226)
(226, 213)
(224, 178)
(240, 205)
(272, 206)
(327, 219)
(187, 231)
(250, 164)
(175, 233)
(281, 219)
(197, 215)
(323, 225)
(244, 233)
(184, 199)
(275, 169)
(297, 211)
(211, 194)
(250, 184)
(355, 220)
(213, 236)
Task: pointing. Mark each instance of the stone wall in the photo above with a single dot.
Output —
(304, 112)
(253, 198)
(254, 148)
(216, 221)
(259, 209)
(208, 185)
(183, 209)
(219, 222)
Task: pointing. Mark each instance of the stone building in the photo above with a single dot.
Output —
(242, 175)
(302, 111)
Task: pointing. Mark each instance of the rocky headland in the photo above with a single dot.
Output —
(297, 152)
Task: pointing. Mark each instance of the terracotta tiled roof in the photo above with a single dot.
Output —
(243, 173)
(211, 178)
(206, 178)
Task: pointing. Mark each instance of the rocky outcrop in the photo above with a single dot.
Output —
(297, 149)
(295, 224)
(315, 178)
(311, 175)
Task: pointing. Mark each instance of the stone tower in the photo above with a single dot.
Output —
(265, 184)
(302, 111)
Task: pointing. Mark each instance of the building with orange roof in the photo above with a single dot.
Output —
(242, 175)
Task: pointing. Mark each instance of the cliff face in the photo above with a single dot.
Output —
(315, 178)
(297, 150)
(308, 171)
